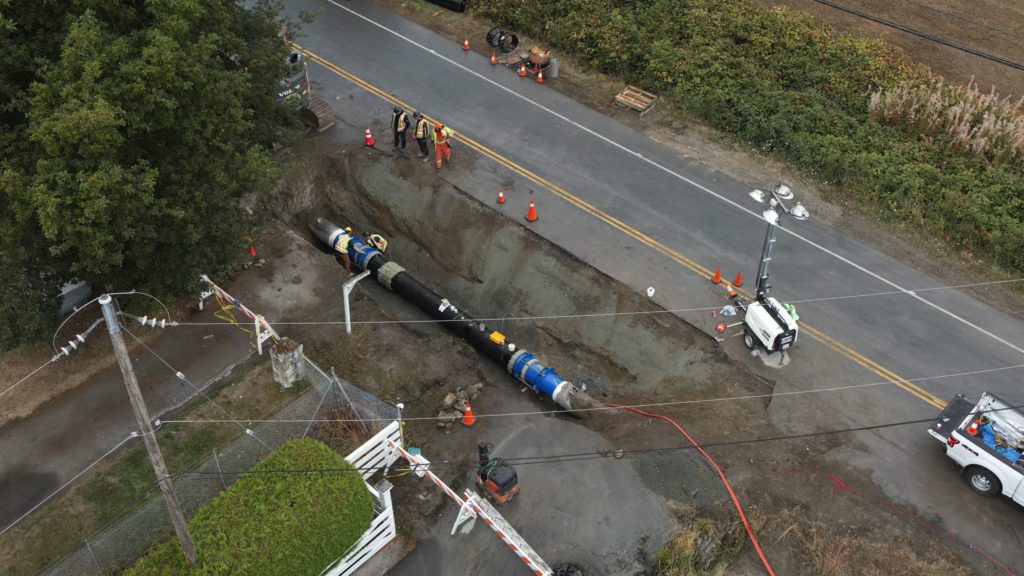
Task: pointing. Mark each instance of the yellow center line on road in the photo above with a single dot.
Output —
(628, 230)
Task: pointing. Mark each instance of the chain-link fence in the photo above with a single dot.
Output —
(338, 408)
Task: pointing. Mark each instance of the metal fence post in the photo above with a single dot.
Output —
(92, 554)
(219, 471)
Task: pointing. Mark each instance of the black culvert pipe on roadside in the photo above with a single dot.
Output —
(525, 366)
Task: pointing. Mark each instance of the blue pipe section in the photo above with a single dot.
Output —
(359, 252)
(540, 378)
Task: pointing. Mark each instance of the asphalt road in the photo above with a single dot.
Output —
(40, 454)
(648, 217)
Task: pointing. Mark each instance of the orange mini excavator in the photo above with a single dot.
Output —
(496, 477)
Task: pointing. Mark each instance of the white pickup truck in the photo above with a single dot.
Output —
(986, 438)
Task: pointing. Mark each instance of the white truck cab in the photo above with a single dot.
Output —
(986, 439)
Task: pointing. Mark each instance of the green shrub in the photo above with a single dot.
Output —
(794, 88)
(274, 523)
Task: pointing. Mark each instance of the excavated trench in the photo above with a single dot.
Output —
(594, 331)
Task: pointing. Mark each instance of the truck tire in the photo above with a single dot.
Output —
(982, 481)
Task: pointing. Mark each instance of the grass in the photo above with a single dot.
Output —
(825, 551)
(703, 548)
(125, 479)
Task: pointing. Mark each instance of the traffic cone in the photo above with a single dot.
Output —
(972, 429)
(540, 76)
(465, 43)
(369, 137)
(522, 71)
(739, 280)
(501, 196)
(717, 278)
(730, 292)
(531, 214)
(494, 57)
(467, 417)
(252, 251)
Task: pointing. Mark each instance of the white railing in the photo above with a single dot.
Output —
(370, 458)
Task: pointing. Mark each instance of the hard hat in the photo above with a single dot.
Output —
(437, 126)
(348, 229)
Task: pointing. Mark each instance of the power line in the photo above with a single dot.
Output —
(591, 455)
(607, 409)
(181, 376)
(965, 19)
(611, 314)
(924, 35)
(30, 374)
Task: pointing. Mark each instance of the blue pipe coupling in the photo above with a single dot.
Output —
(360, 253)
(541, 379)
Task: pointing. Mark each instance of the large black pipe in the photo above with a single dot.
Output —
(491, 343)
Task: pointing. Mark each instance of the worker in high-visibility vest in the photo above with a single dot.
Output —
(399, 124)
(341, 249)
(422, 135)
(442, 144)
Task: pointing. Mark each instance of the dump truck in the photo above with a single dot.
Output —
(986, 439)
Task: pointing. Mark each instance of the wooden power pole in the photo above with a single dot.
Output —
(142, 417)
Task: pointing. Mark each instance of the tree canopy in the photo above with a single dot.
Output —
(128, 131)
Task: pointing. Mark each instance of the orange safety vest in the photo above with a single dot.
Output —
(441, 136)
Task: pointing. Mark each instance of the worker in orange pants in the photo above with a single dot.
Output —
(442, 144)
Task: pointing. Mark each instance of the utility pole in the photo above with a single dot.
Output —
(142, 417)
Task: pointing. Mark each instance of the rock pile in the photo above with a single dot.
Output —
(454, 405)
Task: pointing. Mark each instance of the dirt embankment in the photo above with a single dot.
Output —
(624, 350)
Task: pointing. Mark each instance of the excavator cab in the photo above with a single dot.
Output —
(496, 477)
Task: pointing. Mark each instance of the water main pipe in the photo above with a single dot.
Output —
(523, 365)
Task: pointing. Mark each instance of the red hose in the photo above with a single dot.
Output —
(721, 475)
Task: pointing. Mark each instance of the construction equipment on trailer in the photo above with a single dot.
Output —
(986, 438)
(496, 477)
(767, 323)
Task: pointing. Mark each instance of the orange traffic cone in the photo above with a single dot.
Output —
(540, 76)
(494, 57)
(717, 278)
(972, 429)
(730, 292)
(522, 71)
(369, 137)
(501, 196)
(531, 214)
(252, 251)
(467, 417)
(739, 280)
(465, 43)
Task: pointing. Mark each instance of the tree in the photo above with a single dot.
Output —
(132, 128)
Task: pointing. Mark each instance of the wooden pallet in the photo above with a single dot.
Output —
(512, 59)
(636, 99)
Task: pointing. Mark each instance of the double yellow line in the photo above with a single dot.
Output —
(637, 235)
